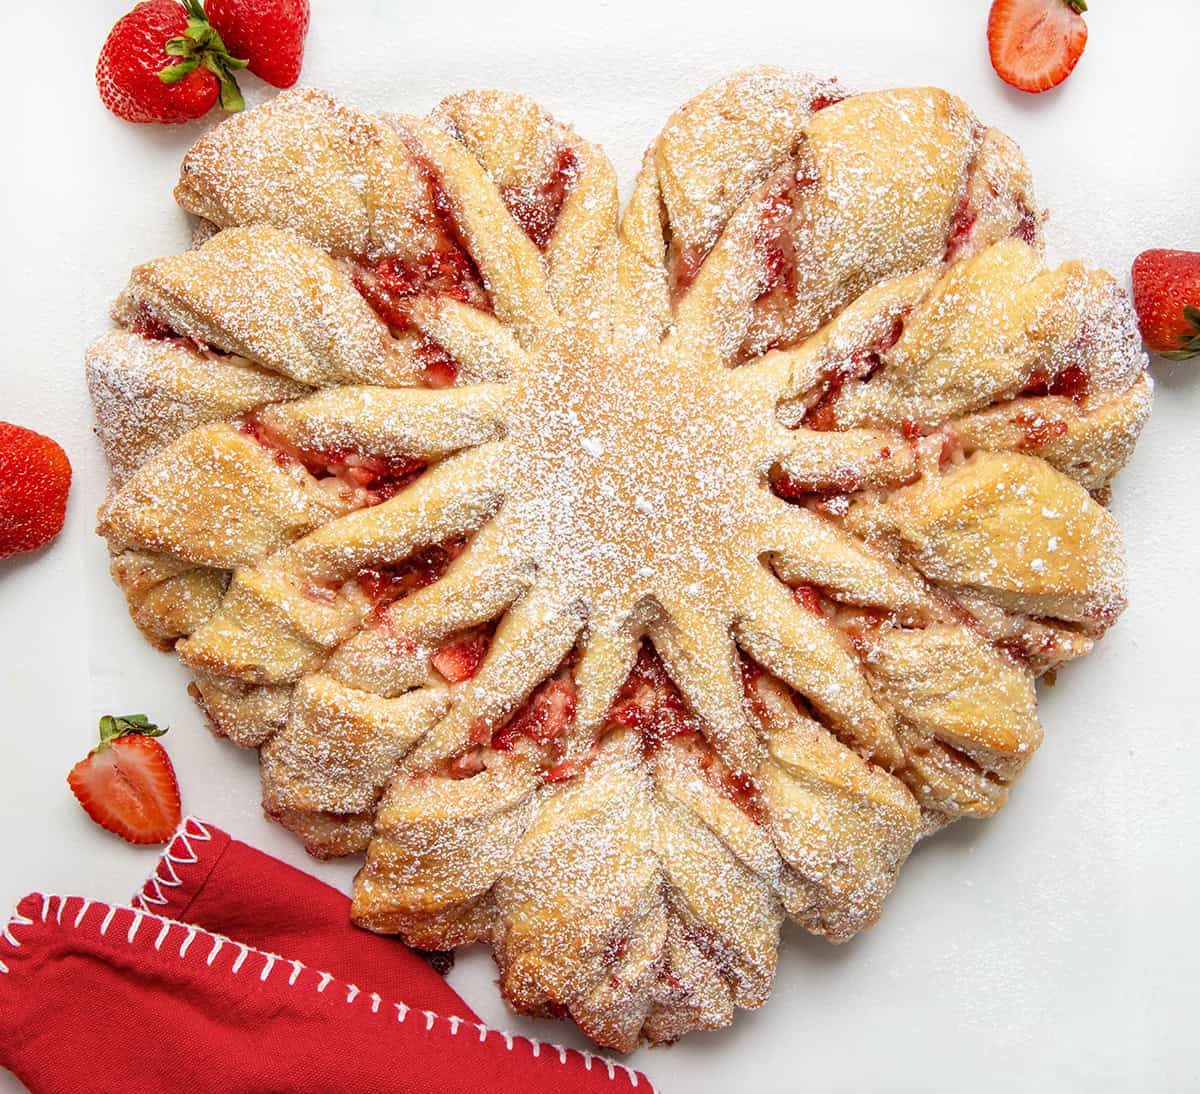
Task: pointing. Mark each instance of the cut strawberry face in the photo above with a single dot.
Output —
(127, 783)
(1036, 44)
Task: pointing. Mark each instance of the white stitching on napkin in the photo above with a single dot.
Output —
(270, 960)
(179, 852)
(17, 920)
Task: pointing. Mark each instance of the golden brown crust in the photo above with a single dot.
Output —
(814, 422)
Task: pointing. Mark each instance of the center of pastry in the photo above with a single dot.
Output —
(632, 475)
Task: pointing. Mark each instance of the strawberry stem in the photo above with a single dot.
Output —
(1077, 5)
(112, 728)
(201, 44)
(1189, 344)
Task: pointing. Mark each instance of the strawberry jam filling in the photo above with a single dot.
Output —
(1038, 431)
(391, 284)
(773, 237)
(686, 260)
(365, 479)
(543, 717)
(438, 368)
(1069, 383)
(384, 585)
(961, 224)
(861, 365)
(536, 208)
(651, 704)
(145, 325)
(808, 598)
(460, 659)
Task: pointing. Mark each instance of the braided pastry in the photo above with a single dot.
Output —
(621, 584)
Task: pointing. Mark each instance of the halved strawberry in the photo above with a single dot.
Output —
(1035, 44)
(459, 661)
(126, 783)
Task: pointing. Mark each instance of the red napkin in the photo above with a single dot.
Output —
(209, 982)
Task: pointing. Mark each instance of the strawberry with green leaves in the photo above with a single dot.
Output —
(1166, 295)
(126, 783)
(165, 62)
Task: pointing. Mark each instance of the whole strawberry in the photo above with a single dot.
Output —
(1166, 294)
(268, 33)
(164, 62)
(35, 477)
(126, 783)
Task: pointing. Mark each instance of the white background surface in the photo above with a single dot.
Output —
(1050, 949)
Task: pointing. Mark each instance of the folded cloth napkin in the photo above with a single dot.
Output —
(211, 980)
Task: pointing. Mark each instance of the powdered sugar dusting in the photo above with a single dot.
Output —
(636, 707)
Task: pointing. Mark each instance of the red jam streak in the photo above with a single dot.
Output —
(390, 284)
(961, 225)
(773, 237)
(862, 365)
(377, 477)
(1037, 431)
(1070, 383)
(537, 209)
(685, 265)
(460, 660)
(826, 99)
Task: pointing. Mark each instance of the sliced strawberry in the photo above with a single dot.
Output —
(459, 661)
(126, 783)
(1036, 44)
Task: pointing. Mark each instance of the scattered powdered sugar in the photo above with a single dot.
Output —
(701, 707)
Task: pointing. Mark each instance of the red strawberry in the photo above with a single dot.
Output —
(126, 783)
(1166, 294)
(269, 33)
(164, 62)
(459, 661)
(1035, 44)
(35, 477)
